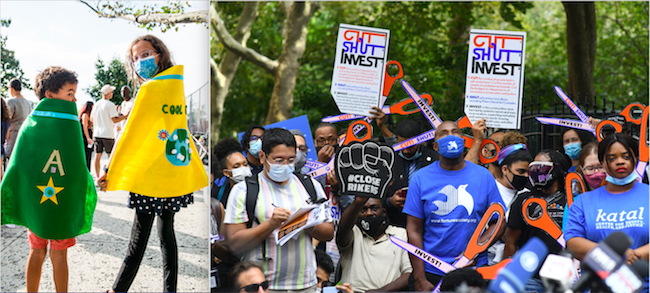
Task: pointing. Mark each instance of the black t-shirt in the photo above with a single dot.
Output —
(555, 208)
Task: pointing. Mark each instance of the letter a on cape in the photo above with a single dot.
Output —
(48, 188)
(156, 155)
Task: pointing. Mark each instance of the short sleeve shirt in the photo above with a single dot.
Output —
(291, 266)
(102, 114)
(597, 213)
(451, 204)
(369, 264)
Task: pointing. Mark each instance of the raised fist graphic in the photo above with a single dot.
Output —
(364, 169)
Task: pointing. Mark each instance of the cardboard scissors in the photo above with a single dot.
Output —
(463, 123)
(571, 178)
(474, 247)
(398, 108)
(581, 115)
(544, 222)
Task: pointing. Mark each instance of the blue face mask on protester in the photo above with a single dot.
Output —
(280, 172)
(255, 147)
(573, 150)
(146, 67)
(622, 181)
(451, 146)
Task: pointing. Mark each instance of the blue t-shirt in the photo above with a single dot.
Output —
(451, 203)
(596, 214)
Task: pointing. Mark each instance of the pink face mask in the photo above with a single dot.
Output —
(594, 180)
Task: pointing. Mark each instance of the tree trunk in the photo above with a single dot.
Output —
(295, 40)
(223, 73)
(458, 37)
(581, 49)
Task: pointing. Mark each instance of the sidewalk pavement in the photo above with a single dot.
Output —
(95, 260)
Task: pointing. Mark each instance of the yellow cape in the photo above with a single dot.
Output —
(156, 155)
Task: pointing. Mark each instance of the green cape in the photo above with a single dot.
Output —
(47, 187)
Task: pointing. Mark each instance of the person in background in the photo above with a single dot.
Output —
(247, 276)
(251, 141)
(326, 141)
(489, 151)
(6, 118)
(228, 152)
(513, 161)
(87, 130)
(456, 278)
(301, 151)
(407, 162)
(19, 107)
(592, 172)
(572, 141)
(546, 174)
(620, 205)
(324, 267)
(126, 106)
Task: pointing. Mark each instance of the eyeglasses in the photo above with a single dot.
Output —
(253, 287)
(142, 55)
(281, 161)
(303, 148)
(254, 138)
(592, 169)
(330, 141)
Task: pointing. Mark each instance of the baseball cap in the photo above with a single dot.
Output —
(107, 89)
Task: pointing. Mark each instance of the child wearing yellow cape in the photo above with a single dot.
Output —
(48, 188)
(155, 158)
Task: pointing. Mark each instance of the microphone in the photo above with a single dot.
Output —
(601, 261)
(513, 277)
(628, 279)
(558, 273)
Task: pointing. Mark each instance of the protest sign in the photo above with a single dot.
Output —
(301, 123)
(495, 77)
(364, 168)
(359, 67)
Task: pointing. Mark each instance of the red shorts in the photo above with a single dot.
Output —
(36, 242)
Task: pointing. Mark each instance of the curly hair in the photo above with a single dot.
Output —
(512, 137)
(223, 149)
(52, 79)
(165, 59)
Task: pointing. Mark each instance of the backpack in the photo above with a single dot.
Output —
(253, 188)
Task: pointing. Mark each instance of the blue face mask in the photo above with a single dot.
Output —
(255, 147)
(279, 172)
(146, 67)
(573, 150)
(451, 146)
(622, 181)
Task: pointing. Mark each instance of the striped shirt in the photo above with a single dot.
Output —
(293, 265)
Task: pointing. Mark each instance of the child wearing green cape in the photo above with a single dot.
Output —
(47, 187)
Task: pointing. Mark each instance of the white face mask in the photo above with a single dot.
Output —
(240, 173)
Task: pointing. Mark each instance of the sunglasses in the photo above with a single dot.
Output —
(540, 173)
(253, 287)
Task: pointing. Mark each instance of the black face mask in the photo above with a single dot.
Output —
(373, 226)
(518, 182)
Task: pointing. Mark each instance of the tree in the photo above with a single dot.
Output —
(222, 73)
(150, 16)
(285, 68)
(114, 75)
(581, 36)
(10, 65)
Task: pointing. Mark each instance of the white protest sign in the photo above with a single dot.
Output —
(359, 67)
(495, 77)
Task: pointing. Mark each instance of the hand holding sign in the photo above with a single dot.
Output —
(364, 169)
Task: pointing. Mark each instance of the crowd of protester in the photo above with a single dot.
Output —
(422, 204)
